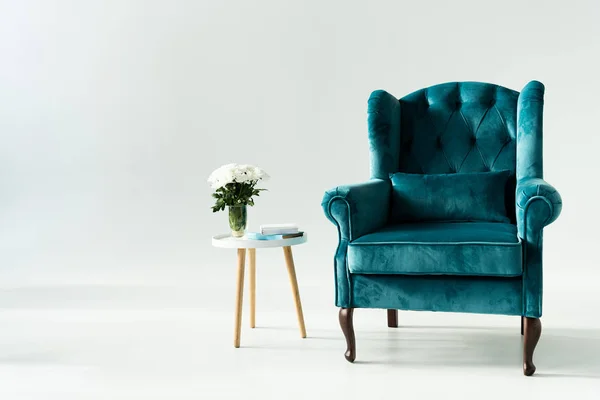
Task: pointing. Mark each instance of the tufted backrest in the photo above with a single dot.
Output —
(448, 128)
(458, 127)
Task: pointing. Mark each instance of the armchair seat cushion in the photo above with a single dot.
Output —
(439, 248)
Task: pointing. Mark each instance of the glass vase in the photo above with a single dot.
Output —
(238, 218)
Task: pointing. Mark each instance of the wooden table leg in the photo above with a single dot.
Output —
(252, 254)
(237, 333)
(289, 261)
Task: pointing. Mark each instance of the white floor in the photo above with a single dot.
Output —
(174, 341)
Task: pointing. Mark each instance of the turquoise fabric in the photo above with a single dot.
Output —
(451, 128)
(355, 210)
(459, 248)
(538, 203)
(532, 191)
(474, 196)
(384, 133)
(457, 127)
(438, 293)
(438, 232)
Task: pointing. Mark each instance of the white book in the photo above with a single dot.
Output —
(278, 229)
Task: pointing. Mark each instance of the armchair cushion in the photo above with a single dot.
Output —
(438, 248)
(475, 196)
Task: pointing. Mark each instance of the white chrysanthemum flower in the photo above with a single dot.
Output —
(239, 173)
(244, 173)
(260, 174)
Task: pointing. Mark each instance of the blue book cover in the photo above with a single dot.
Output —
(259, 236)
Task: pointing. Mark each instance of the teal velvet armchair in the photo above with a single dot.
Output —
(452, 217)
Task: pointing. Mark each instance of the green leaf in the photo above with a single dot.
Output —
(235, 193)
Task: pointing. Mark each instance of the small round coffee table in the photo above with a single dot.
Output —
(242, 244)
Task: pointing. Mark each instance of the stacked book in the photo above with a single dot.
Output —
(276, 232)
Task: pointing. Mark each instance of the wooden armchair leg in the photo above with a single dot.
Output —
(533, 330)
(347, 325)
(392, 317)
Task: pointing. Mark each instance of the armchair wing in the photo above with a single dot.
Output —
(384, 126)
(356, 210)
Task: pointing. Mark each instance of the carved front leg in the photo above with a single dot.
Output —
(532, 331)
(347, 325)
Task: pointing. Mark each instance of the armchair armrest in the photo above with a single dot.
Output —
(358, 209)
(538, 205)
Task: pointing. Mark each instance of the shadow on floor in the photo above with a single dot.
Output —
(560, 352)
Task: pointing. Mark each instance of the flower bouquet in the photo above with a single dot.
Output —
(235, 185)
